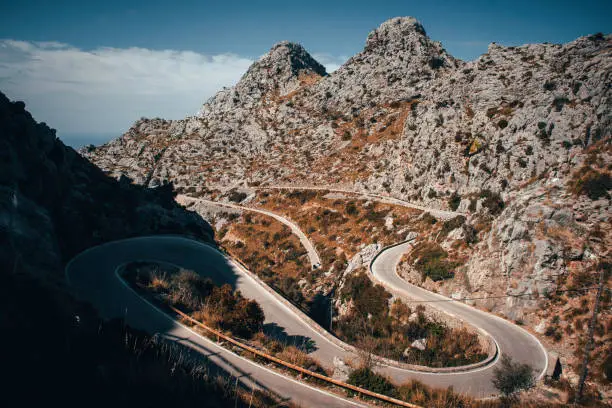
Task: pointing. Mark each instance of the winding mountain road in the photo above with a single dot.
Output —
(94, 278)
(92, 274)
(510, 339)
(441, 214)
(313, 255)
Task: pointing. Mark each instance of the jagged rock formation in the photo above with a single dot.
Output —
(518, 139)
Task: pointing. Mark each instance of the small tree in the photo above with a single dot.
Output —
(511, 377)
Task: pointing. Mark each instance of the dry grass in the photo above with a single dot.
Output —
(340, 227)
(294, 355)
(159, 282)
(265, 245)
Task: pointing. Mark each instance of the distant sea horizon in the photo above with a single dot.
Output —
(78, 140)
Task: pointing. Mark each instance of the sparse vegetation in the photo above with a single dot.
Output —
(375, 327)
(454, 201)
(218, 306)
(366, 378)
(78, 355)
(492, 201)
(511, 377)
(269, 249)
(236, 196)
(590, 182)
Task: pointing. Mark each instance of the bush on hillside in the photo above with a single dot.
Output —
(590, 182)
(512, 377)
(492, 201)
(368, 379)
(454, 201)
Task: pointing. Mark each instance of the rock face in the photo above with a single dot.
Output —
(420, 344)
(341, 370)
(279, 72)
(518, 139)
(54, 203)
(402, 116)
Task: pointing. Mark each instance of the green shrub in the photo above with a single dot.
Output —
(553, 331)
(452, 224)
(428, 219)
(368, 379)
(369, 298)
(492, 201)
(237, 197)
(559, 102)
(512, 377)
(607, 366)
(472, 206)
(431, 261)
(502, 124)
(470, 234)
(550, 85)
(454, 201)
(351, 208)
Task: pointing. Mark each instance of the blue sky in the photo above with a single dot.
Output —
(89, 67)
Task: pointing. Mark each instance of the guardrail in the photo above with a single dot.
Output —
(294, 367)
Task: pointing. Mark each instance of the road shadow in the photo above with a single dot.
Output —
(304, 343)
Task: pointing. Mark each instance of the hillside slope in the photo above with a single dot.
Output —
(518, 139)
(53, 204)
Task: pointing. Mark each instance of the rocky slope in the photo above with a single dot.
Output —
(518, 140)
(54, 203)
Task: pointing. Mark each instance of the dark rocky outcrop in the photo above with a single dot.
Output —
(54, 203)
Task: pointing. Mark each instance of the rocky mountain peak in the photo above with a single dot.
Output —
(398, 62)
(281, 68)
(396, 28)
(397, 33)
(285, 68)
(292, 56)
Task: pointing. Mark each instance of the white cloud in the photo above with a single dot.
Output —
(106, 89)
(103, 91)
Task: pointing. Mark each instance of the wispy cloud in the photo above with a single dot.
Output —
(104, 90)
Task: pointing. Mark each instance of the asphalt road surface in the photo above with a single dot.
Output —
(511, 339)
(93, 276)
